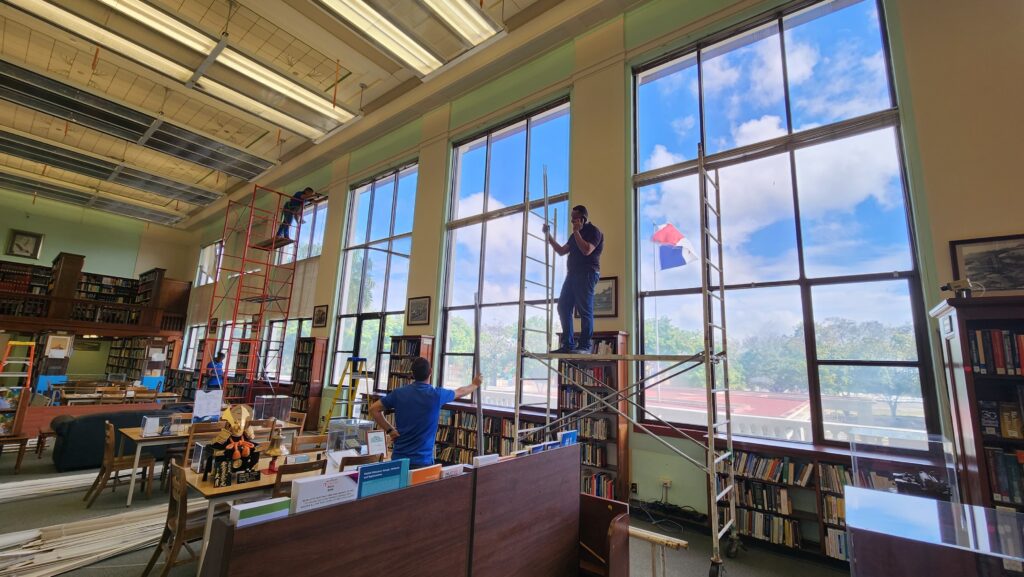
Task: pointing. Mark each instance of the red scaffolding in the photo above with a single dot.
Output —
(253, 286)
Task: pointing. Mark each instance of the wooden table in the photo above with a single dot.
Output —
(135, 434)
(83, 398)
(229, 494)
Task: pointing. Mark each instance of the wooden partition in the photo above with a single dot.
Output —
(527, 517)
(421, 531)
(604, 537)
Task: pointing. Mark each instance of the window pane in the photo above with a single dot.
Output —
(406, 203)
(498, 354)
(360, 216)
(668, 114)
(676, 203)
(743, 94)
(852, 212)
(458, 371)
(288, 350)
(346, 334)
(305, 229)
(884, 401)
(352, 281)
(549, 151)
(503, 259)
(369, 336)
(508, 167)
(768, 363)
(320, 222)
(464, 268)
(471, 160)
(461, 337)
(835, 63)
(672, 326)
(373, 286)
(383, 201)
(876, 325)
(398, 276)
(758, 225)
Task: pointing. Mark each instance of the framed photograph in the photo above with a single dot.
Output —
(24, 244)
(606, 298)
(58, 346)
(320, 316)
(995, 264)
(417, 312)
(211, 330)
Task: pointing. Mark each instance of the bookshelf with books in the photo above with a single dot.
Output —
(983, 357)
(138, 358)
(183, 382)
(456, 440)
(403, 350)
(148, 286)
(25, 278)
(308, 368)
(603, 437)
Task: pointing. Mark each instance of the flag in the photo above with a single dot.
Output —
(675, 249)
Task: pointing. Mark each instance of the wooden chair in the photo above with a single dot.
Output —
(262, 429)
(360, 460)
(283, 487)
(144, 396)
(307, 443)
(297, 418)
(180, 527)
(114, 465)
(175, 452)
(111, 395)
(199, 432)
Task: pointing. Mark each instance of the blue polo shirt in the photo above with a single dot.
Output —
(215, 380)
(416, 407)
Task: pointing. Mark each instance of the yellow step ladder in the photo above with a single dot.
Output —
(346, 391)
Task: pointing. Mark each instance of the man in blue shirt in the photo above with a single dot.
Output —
(292, 209)
(417, 407)
(584, 269)
(215, 373)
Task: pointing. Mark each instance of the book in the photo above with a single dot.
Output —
(258, 511)
(424, 474)
(310, 493)
(988, 413)
(377, 478)
(1010, 421)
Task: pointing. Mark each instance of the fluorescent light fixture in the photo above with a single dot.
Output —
(464, 19)
(197, 40)
(382, 31)
(93, 33)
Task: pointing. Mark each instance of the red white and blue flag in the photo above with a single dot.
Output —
(674, 249)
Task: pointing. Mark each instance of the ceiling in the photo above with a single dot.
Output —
(155, 109)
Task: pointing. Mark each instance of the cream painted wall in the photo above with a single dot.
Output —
(174, 250)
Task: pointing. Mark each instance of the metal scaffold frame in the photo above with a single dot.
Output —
(252, 287)
(713, 358)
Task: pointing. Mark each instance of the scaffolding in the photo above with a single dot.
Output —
(253, 286)
(718, 445)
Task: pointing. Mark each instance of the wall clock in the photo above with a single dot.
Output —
(24, 244)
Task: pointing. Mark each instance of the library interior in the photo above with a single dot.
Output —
(481, 275)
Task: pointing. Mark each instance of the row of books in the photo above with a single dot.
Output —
(401, 365)
(767, 527)
(594, 455)
(19, 307)
(593, 429)
(405, 347)
(598, 483)
(572, 399)
(1001, 419)
(834, 477)
(835, 544)
(300, 404)
(591, 376)
(1005, 474)
(397, 381)
(776, 470)
(101, 314)
(835, 509)
(453, 455)
(996, 351)
(756, 495)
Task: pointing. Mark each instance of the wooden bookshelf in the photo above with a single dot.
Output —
(983, 357)
(138, 357)
(148, 287)
(403, 350)
(308, 368)
(603, 436)
(182, 382)
(25, 278)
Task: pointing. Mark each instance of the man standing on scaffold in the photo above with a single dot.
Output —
(584, 268)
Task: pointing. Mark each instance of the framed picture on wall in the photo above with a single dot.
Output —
(417, 311)
(994, 265)
(606, 298)
(320, 316)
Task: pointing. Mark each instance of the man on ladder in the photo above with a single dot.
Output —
(584, 269)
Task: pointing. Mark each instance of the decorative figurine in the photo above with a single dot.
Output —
(275, 449)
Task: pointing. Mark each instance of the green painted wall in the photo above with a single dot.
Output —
(387, 146)
(89, 362)
(110, 243)
(660, 17)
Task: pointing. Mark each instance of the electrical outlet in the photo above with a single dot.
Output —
(632, 489)
(666, 482)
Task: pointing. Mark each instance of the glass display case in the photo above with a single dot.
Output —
(272, 406)
(345, 434)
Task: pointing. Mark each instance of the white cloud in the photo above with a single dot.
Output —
(758, 130)
(661, 156)
(801, 59)
(719, 75)
(681, 126)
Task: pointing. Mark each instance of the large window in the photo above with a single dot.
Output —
(187, 359)
(279, 346)
(208, 269)
(825, 324)
(310, 241)
(376, 269)
(499, 181)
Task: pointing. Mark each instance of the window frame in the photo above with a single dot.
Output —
(789, 144)
(203, 278)
(189, 347)
(305, 329)
(312, 212)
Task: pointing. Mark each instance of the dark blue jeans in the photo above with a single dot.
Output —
(577, 293)
(286, 223)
